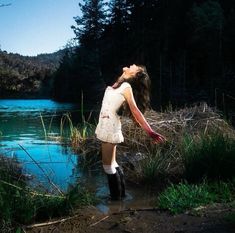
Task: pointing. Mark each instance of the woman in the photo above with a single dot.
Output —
(131, 93)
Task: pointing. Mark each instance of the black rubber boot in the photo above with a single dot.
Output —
(114, 186)
(122, 179)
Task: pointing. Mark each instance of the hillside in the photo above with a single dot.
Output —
(27, 77)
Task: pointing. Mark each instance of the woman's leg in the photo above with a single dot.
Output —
(109, 165)
(108, 153)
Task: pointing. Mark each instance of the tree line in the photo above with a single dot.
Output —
(187, 46)
(27, 77)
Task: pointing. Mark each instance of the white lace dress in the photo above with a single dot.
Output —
(109, 125)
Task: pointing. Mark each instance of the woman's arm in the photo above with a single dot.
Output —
(139, 117)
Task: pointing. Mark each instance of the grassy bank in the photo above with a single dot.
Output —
(182, 197)
(209, 175)
(195, 166)
(195, 135)
(23, 205)
(181, 127)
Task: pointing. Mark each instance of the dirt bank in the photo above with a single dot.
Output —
(211, 219)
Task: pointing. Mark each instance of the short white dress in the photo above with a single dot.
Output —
(109, 127)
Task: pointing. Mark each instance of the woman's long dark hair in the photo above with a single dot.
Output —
(140, 84)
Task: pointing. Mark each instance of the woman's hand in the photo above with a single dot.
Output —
(158, 138)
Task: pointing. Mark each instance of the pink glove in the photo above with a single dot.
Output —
(158, 138)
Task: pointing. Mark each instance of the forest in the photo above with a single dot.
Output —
(187, 46)
(27, 77)
(51, 160)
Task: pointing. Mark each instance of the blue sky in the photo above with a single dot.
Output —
(31, 27)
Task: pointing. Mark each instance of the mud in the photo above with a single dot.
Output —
(210, 219)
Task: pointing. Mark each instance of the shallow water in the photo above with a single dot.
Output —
(23, 137)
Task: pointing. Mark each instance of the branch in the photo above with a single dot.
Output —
(31, 192)
(99, 221)
(51, 223)
(39, 166)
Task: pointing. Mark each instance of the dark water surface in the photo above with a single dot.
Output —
(21, 127)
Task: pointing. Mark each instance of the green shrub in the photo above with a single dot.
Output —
(181, 197)
(211, 157)
(21, 205)
(152, 168)
(25, 206)
(155, 167)
(178, 198)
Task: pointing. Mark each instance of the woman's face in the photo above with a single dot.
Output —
(129, 72)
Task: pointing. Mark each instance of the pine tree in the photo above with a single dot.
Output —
(91, 24)
(120, 11)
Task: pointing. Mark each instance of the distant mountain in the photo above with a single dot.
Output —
(27, 76)
(52, 59)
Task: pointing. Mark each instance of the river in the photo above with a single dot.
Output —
(50, 161)
(23, 124)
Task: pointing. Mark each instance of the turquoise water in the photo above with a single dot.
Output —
(22, 137)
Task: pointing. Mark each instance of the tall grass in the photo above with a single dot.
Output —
(77, 134)
(178, 198)
(44, 127)
(209, 156)
(80, 133)
(24, 206)
(209, 162)
(19, 204)
(157, 165)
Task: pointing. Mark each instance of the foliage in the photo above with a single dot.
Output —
(79, 74)
(209, 156)
(188, 53)
(23, 205)
(156, 162)
(75, 134)
(207, 16)
(23, 75)
(88, 30)
(91, 24)
(155, 168)
(181, 197)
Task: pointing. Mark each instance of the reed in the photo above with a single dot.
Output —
(80, 138)
(159, 164)
(76, 135)
(199, 121)
(44, 127)
(48, 134)
(22, 205)
(208, 156)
